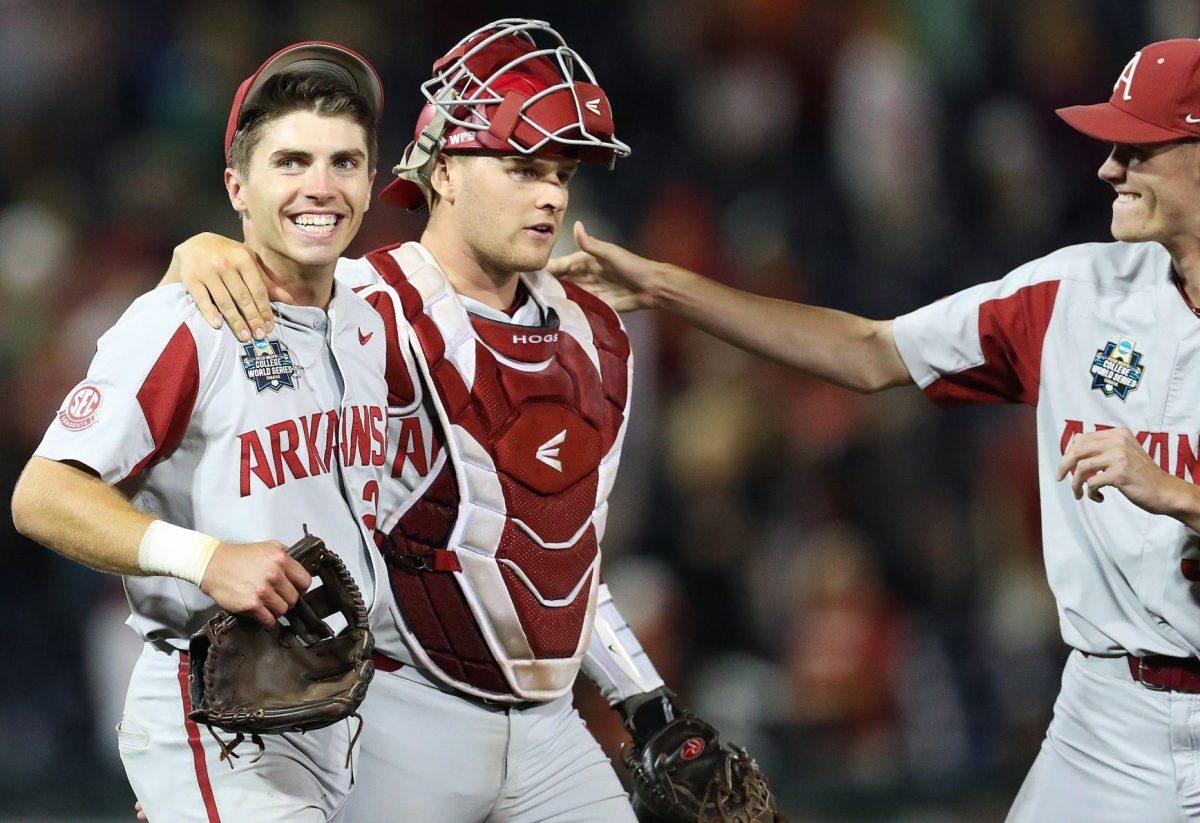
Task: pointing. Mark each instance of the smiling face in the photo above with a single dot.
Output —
(304, 190)
(1158, 187)
(506, 211)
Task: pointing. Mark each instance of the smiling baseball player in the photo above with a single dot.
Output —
(508, 400)
(180, 432)
(1104, 340)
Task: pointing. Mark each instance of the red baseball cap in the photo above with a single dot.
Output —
(338, 62)
(1156, 99)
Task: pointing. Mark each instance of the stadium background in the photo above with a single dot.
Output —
(850, 586)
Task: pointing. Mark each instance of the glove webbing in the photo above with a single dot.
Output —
(228, 749)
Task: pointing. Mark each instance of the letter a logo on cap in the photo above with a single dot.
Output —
(1127, 76)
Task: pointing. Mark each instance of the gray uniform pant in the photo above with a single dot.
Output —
(175, 769)
(427, 754)
(1115, 751)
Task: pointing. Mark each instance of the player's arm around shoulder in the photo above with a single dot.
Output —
(854, 352)
(233, 286)
(229, 283)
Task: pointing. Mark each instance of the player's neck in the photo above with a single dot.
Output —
(1185, 256)
(307, 285)
(468, 275)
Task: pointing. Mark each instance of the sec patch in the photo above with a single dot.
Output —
(80, 410)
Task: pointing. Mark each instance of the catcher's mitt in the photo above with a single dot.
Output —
(683, 774)
(296, 676)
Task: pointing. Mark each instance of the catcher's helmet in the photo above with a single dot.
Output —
(499, 89)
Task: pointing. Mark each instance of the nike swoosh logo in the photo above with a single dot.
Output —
(620, 655)
(363, 338)
(1191, 119)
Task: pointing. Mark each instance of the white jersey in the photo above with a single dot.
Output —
(244, 442)
(1094, 336)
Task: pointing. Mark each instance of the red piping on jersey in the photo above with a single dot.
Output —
(193, 738)
(401, 391)
(168, 395)
(1011, 333)
(519, 298)
(1183, 293)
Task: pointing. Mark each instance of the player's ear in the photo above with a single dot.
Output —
(370, 188)
(443, 178)
(233, 186)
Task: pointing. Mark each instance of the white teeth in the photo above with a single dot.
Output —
(316, 220)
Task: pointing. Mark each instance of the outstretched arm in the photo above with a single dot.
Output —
(843, 349)
(75, 513)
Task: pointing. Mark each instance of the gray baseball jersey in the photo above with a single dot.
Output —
(245, 442)
(1094, 336)
(239, 441)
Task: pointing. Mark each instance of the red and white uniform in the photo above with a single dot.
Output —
(1094, 336)
(504, 440)
(245, 444)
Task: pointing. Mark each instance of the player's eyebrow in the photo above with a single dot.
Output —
(290, 154)
(307, 156)
(349, 154)
(539, 163)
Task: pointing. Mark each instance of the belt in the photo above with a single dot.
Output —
(384, 663)
(387, 664)
(1169, 674)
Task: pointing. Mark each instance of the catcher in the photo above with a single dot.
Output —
(507, 406)
(181, 432)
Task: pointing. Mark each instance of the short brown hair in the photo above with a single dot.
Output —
(294, 91)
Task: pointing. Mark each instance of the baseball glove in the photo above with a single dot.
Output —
(296, 676)
(683, 774)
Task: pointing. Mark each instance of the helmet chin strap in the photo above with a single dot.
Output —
(417, 163)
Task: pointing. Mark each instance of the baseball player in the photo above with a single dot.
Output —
(508, 394)
(183, 442)
(1104, 340)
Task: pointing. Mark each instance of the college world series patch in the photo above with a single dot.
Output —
(1117, 368)
(268, 364)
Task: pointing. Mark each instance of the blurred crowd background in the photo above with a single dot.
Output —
(852, 587)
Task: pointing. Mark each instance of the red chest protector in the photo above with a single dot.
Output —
(495, 562)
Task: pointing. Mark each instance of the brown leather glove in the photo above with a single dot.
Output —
(683, 774)
(296, 676)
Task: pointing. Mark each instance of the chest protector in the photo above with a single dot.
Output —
(495, 562)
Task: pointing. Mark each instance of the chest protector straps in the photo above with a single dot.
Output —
(495, 566)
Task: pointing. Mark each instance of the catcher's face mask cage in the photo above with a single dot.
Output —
(512, 86)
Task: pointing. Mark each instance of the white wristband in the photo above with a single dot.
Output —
(174, 551)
